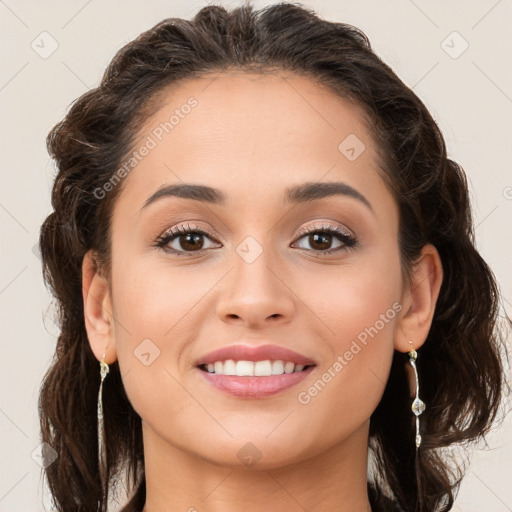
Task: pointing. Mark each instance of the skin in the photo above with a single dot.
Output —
(253, 136)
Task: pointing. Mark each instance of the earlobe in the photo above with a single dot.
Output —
(98, 315)
(419, 299)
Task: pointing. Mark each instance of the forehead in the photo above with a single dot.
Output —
(248, 109)
(251, 133)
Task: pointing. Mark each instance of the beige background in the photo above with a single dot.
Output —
(468, 90)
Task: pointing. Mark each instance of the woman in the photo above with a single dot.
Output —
(336, 328)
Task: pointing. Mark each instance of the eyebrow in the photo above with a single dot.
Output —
(297, 194)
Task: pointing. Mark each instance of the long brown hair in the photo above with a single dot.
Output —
(461, 371)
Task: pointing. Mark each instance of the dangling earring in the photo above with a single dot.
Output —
(417, 405)
(102, 454)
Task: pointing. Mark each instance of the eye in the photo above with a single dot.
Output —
(320, 238)
(189, 238)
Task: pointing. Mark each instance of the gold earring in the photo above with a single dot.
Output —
(417, 405)
(102, 454)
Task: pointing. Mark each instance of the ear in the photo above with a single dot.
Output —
(419, 297)
(99, 320)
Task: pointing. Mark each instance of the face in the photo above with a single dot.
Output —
(275, 262)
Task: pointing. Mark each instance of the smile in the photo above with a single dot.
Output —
(254, 379)
(253, 368)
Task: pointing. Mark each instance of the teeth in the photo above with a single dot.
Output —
(243, 368)
(253, 369)
(263, 368)
(229, 367)
(288, 368)
(277, 368)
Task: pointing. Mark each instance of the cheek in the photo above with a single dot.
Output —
(154, 301)
(351, 298)
(153, 307)
(359, 308)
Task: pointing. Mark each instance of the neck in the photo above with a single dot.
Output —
(335, 480)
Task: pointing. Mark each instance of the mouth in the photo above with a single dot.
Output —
(264, 368)
(254, 379)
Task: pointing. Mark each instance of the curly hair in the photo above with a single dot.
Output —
(462, 376)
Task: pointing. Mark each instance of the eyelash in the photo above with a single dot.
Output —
(349, 241)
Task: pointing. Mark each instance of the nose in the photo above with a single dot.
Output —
(258, 293)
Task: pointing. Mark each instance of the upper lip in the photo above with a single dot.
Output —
(240, 352)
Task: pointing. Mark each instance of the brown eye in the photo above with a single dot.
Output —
(181, 240)
(320, 240)
(191, 241)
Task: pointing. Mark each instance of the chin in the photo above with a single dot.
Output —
(257, 452)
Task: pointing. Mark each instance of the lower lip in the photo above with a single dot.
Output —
(255, 387)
